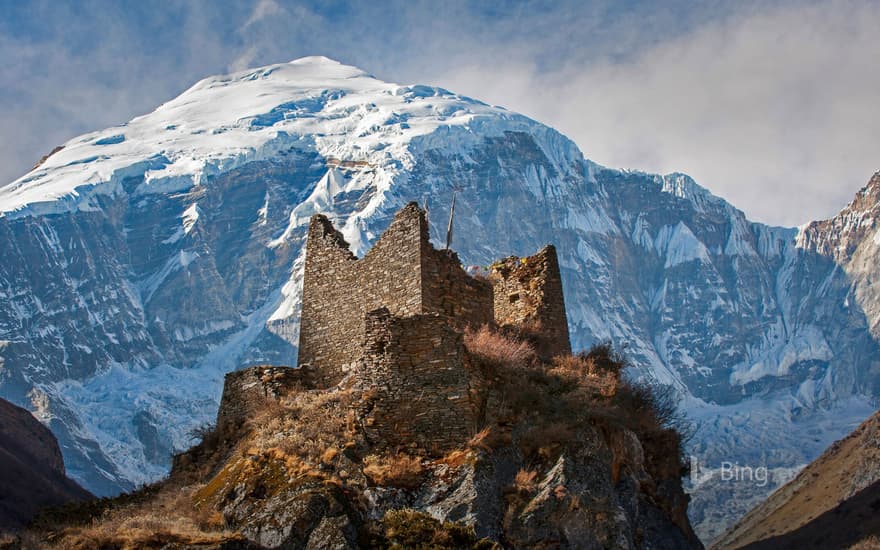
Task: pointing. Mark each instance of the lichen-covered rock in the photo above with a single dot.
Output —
(333, 533)
(275, 509)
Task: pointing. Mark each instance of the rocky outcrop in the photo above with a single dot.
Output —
(32, 473)
(573, 502)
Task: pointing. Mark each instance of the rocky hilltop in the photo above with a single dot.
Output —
(430, 409)
(143, 262)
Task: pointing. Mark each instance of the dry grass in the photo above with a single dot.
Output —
(585, 371)
(547, 406)
(490, 438)
(412, 529)
(168, 519)
(495, 349)
(310, 426)
(456, 458)
(399, 470)
(526, 480)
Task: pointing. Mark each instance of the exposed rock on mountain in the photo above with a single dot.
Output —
(31, 469)
(145, 261)
(832, 503)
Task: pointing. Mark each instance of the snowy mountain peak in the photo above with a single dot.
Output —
(318, 60)
(224, 122)
(841, 236)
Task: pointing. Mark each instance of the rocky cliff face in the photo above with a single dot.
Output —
(32, 473)
(145, 261)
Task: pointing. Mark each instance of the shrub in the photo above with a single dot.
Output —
(494, 350)
(309, 426)
(651, 411)
(398, 470)
(585, 371)
(545, 440)
(525, 480)
(206, 436)
(606, 358)
(408, 529)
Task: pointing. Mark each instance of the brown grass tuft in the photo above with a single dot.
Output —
(169, 519)
(398, 470)
(526, 480)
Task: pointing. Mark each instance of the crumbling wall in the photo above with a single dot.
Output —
(402, 272)
(449, 290)
(338, 289)
(528, 296)
(246, 391)
(414, 367)
(331, 317)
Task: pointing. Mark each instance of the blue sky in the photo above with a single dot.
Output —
(770, 105)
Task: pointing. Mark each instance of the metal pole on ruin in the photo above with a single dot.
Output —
(451, 216)
(427, 212)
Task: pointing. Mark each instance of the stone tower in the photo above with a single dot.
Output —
(403, 272)
(528, 295)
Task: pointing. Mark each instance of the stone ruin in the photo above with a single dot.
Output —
(392, 323)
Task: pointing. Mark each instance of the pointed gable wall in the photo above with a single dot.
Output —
(339, 289)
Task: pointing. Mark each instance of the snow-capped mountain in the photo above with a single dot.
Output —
(142, 262)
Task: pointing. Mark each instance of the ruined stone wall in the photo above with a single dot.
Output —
(528, 295)
(331, 315)
(338, 290)
(447, 289)
(402, 272)
(415, 368)
(390, 273)
(246, 391)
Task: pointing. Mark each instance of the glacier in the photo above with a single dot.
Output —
(143, 262)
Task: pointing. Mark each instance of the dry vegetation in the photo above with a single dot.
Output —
(526, 480)
(314, 437)
(409, 529)
(547, 406)
(164, 516)
(398, 470)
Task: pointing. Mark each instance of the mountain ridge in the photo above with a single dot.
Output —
(32, 475)
(846, 469)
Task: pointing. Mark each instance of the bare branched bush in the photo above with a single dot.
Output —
(494, 349)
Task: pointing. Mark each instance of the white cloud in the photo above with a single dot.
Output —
(773, 108)
(776, 111)
(263, 10)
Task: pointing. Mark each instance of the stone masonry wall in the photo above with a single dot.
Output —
(528, 294)
(338, 290)
(331, 318)
(447, 289)
(402, 272)
(245, 391)
(415, 367)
